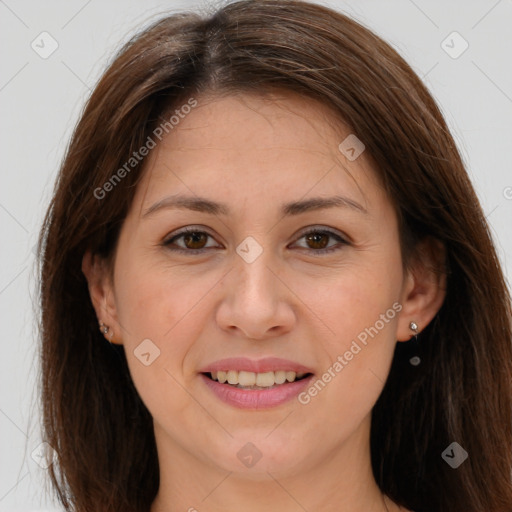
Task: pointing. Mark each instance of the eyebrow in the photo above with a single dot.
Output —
(204, 205)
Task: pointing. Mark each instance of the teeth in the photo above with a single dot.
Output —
(280, 377)
(232, 377)
(250, 379)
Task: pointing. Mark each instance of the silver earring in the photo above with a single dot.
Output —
(414, 360)
(105, 329)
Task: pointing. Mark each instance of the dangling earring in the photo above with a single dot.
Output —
(415, 360)
(105, 329)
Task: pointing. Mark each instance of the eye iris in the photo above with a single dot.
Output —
(314, 237)
(195, 237)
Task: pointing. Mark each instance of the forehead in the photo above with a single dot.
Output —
(258, 146)
(263, 122)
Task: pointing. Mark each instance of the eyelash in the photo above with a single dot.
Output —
(318, 252)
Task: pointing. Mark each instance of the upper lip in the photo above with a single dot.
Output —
(267, 364)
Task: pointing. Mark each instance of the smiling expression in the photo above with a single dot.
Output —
(292, 251)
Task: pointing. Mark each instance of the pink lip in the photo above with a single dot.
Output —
(267, 364)
(256, 398)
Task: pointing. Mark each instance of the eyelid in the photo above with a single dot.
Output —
(342, 239)
(331, 232)
(184, 231)
(323, 229)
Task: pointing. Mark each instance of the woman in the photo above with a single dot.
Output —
(264, 214)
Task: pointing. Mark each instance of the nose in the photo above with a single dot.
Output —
(256, 302)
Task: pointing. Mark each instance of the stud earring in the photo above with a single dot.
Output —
(414, 360)
(105, 329)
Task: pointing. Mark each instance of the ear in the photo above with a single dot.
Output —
(101, 290)
(424, 287)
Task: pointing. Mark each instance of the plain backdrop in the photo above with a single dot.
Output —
(41, 97)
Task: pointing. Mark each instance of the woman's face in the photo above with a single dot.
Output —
(269, 273)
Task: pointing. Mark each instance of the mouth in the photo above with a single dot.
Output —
(256, 381)
(256, 384)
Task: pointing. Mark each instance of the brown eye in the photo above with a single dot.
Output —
(195, 240)
(318, 240)
(190, 240)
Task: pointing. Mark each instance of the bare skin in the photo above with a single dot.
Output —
(292, 302)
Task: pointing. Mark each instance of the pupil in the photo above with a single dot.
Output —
(314, 238)
(195, 237)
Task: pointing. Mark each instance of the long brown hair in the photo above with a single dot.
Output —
(102, 433)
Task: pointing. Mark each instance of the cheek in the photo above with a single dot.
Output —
(356, 299)
(169, 306)
(358, 314)
(161, 313)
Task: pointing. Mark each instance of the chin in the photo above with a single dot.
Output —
(255, 458)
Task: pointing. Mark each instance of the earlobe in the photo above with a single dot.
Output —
(100, 286)
(424, 289)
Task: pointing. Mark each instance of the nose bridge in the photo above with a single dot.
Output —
(253, 302)
(256, 280)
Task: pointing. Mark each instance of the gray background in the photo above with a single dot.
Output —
(40, 100)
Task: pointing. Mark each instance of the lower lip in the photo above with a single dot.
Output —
(256, 398)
